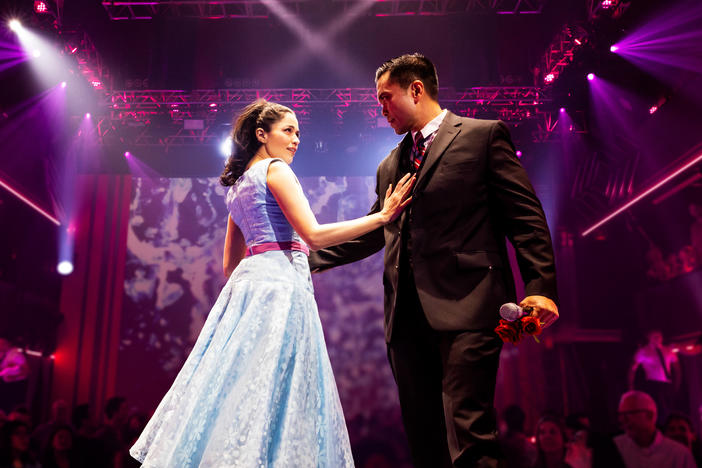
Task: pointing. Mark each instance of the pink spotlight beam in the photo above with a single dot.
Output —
(646, 192)
(30, 203)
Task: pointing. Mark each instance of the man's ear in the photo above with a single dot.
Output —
(417, 88)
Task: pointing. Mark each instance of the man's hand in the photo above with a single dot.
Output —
(543, 308)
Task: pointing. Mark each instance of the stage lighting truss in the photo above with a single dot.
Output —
(561, 51)
(177, 117)
(78, 44)
(219, 9)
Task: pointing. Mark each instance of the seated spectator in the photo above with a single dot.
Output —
(642, 444)
(517, 450)
(550, 443)
(60, 450)
(111, 432)
(679, 427)
(59, 417)
(14, 446)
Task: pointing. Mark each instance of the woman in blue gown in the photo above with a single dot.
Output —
(257, 390)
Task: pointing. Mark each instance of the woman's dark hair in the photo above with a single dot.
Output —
(409, 67)
(558, 422)
(258, 114)
(6, 442)
(48, 458)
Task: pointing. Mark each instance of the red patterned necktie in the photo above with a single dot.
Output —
(418, 151)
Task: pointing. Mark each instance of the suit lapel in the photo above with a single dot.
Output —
(447, 131)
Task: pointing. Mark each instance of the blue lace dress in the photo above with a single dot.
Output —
(257, 390)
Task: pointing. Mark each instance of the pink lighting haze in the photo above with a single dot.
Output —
(643, 195)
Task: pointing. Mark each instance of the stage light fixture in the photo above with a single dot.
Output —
(36, 53)
(549, 78)
(562, 110)
(65, 267)
(519, 154)
(15, 25)
(590, 76)
(87, 115)
(607, 4)
(127, 154)
(63, 84)
(613, 48)
(40, 7)
(653, 109)
(96, 83)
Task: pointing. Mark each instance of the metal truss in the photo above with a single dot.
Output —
(176, 117)
(220, 9)
(79, 45)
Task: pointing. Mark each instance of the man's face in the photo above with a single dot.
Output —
(399, 106)
(678, 429)
(635, 418)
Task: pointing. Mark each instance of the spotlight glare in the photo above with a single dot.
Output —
(127, 154)
(87, 115)
(519, 154)
(225, 148)
(590, 76)
(563, 109)
(549, 78)
(653, 109)
(65, 267)
(36, 53)
(63, 84)
(614, 48)
(15, 25)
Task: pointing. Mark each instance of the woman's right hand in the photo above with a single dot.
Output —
(396, 200)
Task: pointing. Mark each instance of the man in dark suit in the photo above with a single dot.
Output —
(446, 266)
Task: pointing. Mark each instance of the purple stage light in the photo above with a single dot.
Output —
(63, 84)
(590, 76)
(519, 154)
(87, 115)
(653, 109)
(607, 4)
(36, 53)
(96, 83)
(613, 48)
(214, 104)
(562, 110)
(127, 154)
(15, 25)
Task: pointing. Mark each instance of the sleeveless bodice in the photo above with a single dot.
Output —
(254, 209)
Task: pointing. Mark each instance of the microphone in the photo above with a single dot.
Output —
(512, 312)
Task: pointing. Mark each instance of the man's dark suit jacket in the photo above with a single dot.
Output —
(471, 193)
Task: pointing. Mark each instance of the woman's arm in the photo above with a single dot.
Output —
(288, 193)
(234, 247)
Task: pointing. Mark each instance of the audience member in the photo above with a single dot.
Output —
(517, 450)
(550, 443)
(59, 417)
(14, 372)
(642, 444)
(60, 450)
(679, 428)
(14, 446)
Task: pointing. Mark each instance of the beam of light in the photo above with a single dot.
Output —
(48, 64)
(590, 76)
(139, 168)
(29, 202)
(15, 25)
(670, 39)
(644, 194)
(320, 44)
(225, 148)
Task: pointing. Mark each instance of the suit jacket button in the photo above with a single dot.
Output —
(490, 267)
(397, 267)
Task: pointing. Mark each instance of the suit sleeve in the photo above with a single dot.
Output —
(520, 215)
(353, 250)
